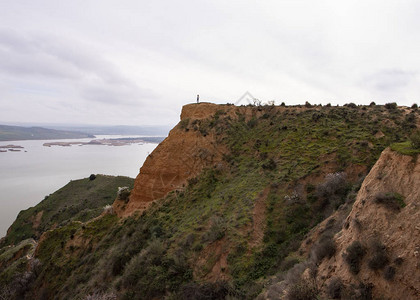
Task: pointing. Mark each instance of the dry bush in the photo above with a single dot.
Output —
(379, 258)
(324, 248)
(389, 273)
(392, 201)
(354, 255)
(303, 290)
(335, 288)
(102, 296)
(206, 291)
(333, 184)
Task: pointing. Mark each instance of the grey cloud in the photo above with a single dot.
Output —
(116, 95)
(57, 59)
(391, 80)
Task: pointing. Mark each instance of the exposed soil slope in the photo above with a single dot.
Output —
(398, 229)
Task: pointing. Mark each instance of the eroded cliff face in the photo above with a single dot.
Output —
(397, 230)
(189, 148)
(181, 156)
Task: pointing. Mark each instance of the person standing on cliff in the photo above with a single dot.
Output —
(198, 98)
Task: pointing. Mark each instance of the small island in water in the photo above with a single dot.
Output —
(11, 148)
(109, 142)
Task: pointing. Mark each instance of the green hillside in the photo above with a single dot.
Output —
(79, 200)
(232, 227)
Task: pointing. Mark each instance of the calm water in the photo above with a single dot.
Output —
(27, 177)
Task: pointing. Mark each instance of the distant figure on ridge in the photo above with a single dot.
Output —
(198, 98)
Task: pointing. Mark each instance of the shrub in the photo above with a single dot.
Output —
(216, 231)
(136, 270)
(308, 105)
(334, 183)
(123, 193)
(379, 257)
(6, 292)
(118, 262)
(372, 104)
(351, 105)
(332, 191)
(208, 290)
(414, 106)
(328, 105)
(189, 240)
(325, 248)
(252, 123)
(390, 106)
(410, 120)
(270, 164)
(303, 290)
(415, 139)
(354, 255)
(390, 200)
(310, 188)
(92, 177)
(108, 209)
(183, 124)
(398, 261)
(335, 288)
(101, 296)
(389, 273)
(283, 104)
(364, 292)
(316, 116)
(198, 247)
(288, 263)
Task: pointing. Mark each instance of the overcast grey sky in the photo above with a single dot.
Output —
(137, 62)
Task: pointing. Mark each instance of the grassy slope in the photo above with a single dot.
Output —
(405, 148)
(14, 133)
(79, 200)
(158, 254)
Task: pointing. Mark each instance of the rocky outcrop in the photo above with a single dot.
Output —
(181, 156)
(388, 232)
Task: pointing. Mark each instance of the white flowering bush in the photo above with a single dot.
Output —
(123, 193)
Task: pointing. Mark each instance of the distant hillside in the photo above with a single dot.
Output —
(14, 133)
(161, 130)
